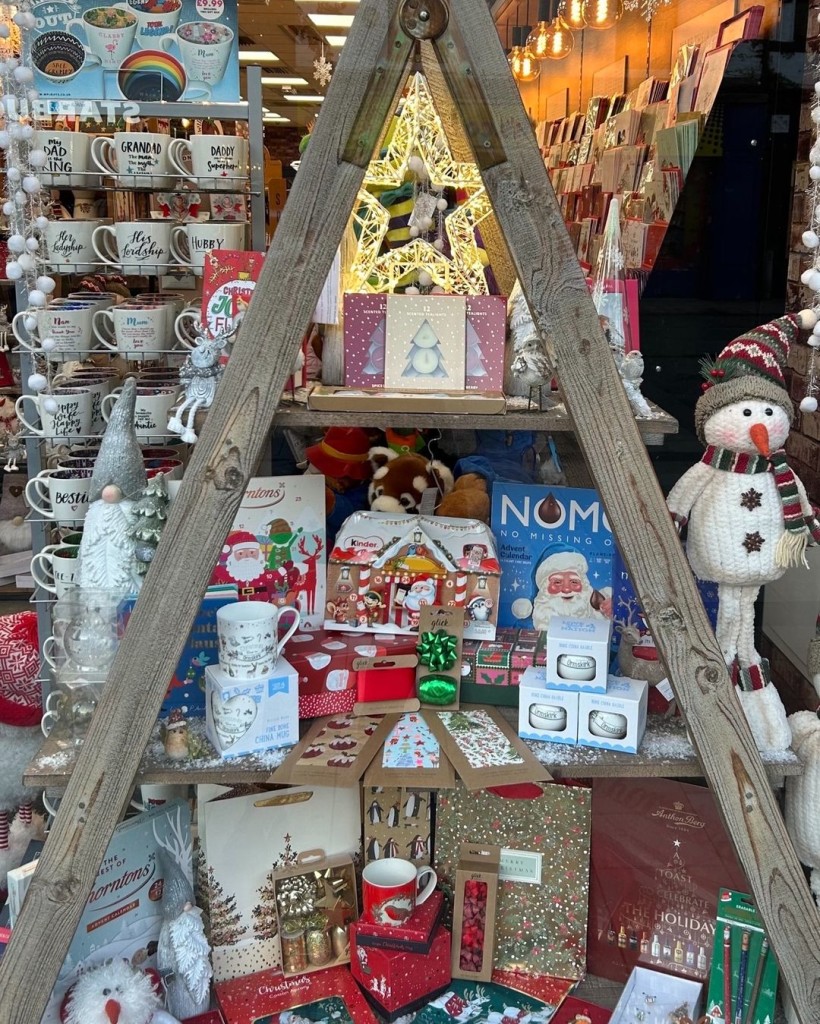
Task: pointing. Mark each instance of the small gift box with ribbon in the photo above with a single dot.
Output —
(438, 675)
(314, 904)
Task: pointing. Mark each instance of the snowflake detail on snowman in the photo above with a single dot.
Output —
(743, 418)
(751, 499)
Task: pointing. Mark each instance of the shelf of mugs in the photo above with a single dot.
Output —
(665, 751)
(96, 182)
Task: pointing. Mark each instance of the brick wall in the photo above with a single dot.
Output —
(803, 446)
(283, 142)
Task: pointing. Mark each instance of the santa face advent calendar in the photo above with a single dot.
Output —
(276, 548)
(556, 549)
(384, 568)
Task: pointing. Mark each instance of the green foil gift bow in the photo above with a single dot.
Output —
(437, 689)
(437, 650)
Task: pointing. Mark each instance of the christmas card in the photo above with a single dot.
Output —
(541, 916)
(326, 997)
(659, 855)
(556, 549)
(276, 548)
(123, 914)
(247, 839)
(425, 342)
(228, 280)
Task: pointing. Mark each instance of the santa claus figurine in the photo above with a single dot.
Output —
(747, 513)
(564, 589)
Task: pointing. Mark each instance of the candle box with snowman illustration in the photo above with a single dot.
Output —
(250, 716)
(323, 661)
(385, 567)
(615, 720)
(544, 714)
(556, 549)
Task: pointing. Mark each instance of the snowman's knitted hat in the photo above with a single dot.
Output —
(751, 366)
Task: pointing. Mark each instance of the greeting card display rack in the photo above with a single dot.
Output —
(371, 70)
(250, 111)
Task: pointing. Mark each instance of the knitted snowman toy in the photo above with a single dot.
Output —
(748, 515)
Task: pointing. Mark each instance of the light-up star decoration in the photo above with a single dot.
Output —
(418, 131)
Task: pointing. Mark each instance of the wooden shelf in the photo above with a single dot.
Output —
(291, 415)
(665, 751)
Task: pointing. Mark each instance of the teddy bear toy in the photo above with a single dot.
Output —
(747, 513)
(468, 499)
(400, 481)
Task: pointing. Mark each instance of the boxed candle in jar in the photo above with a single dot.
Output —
(578, 654)
(614, 720)
(546, 715)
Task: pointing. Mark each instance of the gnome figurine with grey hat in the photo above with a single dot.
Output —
(183, 952)
(107, 548)
(748, 516)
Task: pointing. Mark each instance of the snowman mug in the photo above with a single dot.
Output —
(390, 890)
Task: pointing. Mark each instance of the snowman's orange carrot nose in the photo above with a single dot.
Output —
(760, 438)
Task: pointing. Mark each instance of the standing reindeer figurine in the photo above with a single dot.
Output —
(308, 581)
(200, 375)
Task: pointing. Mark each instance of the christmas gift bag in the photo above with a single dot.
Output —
(248, 838)
(544, 832)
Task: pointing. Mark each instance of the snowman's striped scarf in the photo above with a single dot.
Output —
(800, 529)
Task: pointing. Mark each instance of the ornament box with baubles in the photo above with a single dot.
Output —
(316, 906)
(650, 992)
(324, 661)
(415, 935)
(492, 669)
(545, 715)
(405, 562)
(251, 716)
(615, 720)
(268, 995)
(578, 654)
(396, 982)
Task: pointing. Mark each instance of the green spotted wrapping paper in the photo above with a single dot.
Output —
(541, 915)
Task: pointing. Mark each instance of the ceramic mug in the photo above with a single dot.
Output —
(185, 326)
(205, 49)
(68, 245)
(109, 32)
(98, 381)
(390, 890)
(136, 329)
(66, 163)
(155, 19)
(67, 325)
(157, 795)
(222, 159)
(99, 300)
(64, 422)
(55, 570)
(191, 243)
(136, 159)
(247, 633)
(60, 494)
(60, 56)
(137, 246)
(152, 409)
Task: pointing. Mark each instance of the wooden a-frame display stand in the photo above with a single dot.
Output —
(370, 73)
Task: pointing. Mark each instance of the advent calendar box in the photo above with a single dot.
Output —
(396, 982)
(365, 331)
(556, 549)
(276, 548)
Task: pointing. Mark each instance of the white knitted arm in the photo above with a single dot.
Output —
(687, 491)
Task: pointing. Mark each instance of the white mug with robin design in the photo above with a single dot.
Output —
(390, 890)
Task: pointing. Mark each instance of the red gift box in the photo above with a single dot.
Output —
(578, 1011)
(493, 668)
(269, 993)
(396, 982)
(323, 661)
(415, 935)
(209, 1017)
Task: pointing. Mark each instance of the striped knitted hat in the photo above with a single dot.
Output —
(751, 366)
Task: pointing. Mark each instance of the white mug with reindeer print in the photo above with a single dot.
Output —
(247, 632)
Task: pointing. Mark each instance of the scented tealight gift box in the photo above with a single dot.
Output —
(249, 716)
(395, 981)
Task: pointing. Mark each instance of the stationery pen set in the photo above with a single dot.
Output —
(743, 980)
